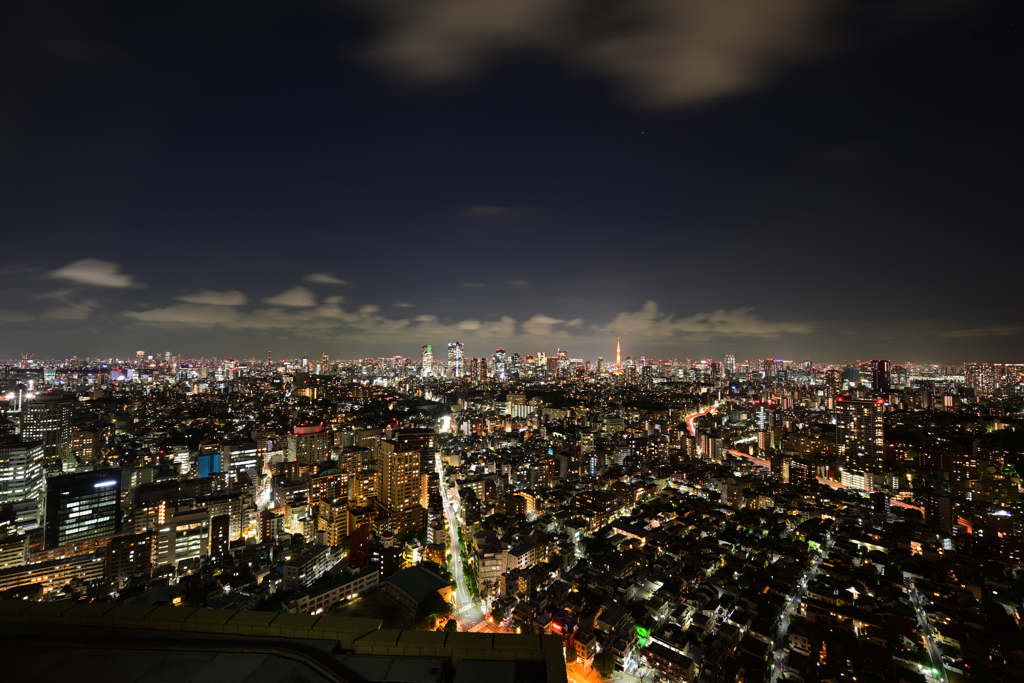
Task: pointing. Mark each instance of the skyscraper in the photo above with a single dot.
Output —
(860, 434)
(880, 376)
(47, 418)
(82, 506)
(456, 359)
(730, 364)
(500, 359)
(427, 360)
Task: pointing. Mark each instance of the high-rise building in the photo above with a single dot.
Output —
(427, 360)
(21, 470)
(308, 444)
(500, 359)
(832, 384)
(47, 418)
(880, 376)
(860, 441)
(82, 506)
(456, 359)
(730, 364)
(764, 417)
(940, 511)
(400, 476)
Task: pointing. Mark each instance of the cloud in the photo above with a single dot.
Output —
(205, 296)
(402, 304)
(72, 311)
(540, 325)
(660, 52)
(189, 314)
(472, 285)
(449, 39)
(8, 316)
(18, 269)
(297, 296)
(369, 325)
(519, 283)
(325, 279)
(96, 272)
(993, 331)
(650, 323)
(62, 295)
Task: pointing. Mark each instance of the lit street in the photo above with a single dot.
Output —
(467, 611)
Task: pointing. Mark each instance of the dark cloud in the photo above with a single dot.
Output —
(992, 331)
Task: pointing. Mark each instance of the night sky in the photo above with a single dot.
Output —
(790, 179)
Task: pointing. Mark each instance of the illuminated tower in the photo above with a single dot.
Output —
(427, 360)
(456, 351)
(618, 357)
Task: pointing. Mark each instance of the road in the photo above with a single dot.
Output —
(926, 629)
(782, 640)
(467, 612)
(690, 418)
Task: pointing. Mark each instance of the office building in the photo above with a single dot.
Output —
(184, 536)
(47, 418)
(427, 360)
(208, 461)
(880, 376)
(456, 359)
(764, 417)
(82, 506)
(21, 470)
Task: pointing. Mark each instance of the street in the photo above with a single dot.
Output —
(467, 612)
(933, 647)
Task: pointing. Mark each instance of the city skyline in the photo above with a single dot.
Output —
(295, 176)
(612, 363)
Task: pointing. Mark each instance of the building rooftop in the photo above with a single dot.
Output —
(111, 643)
(417, 581)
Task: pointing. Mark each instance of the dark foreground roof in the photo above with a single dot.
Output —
(110, 643)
